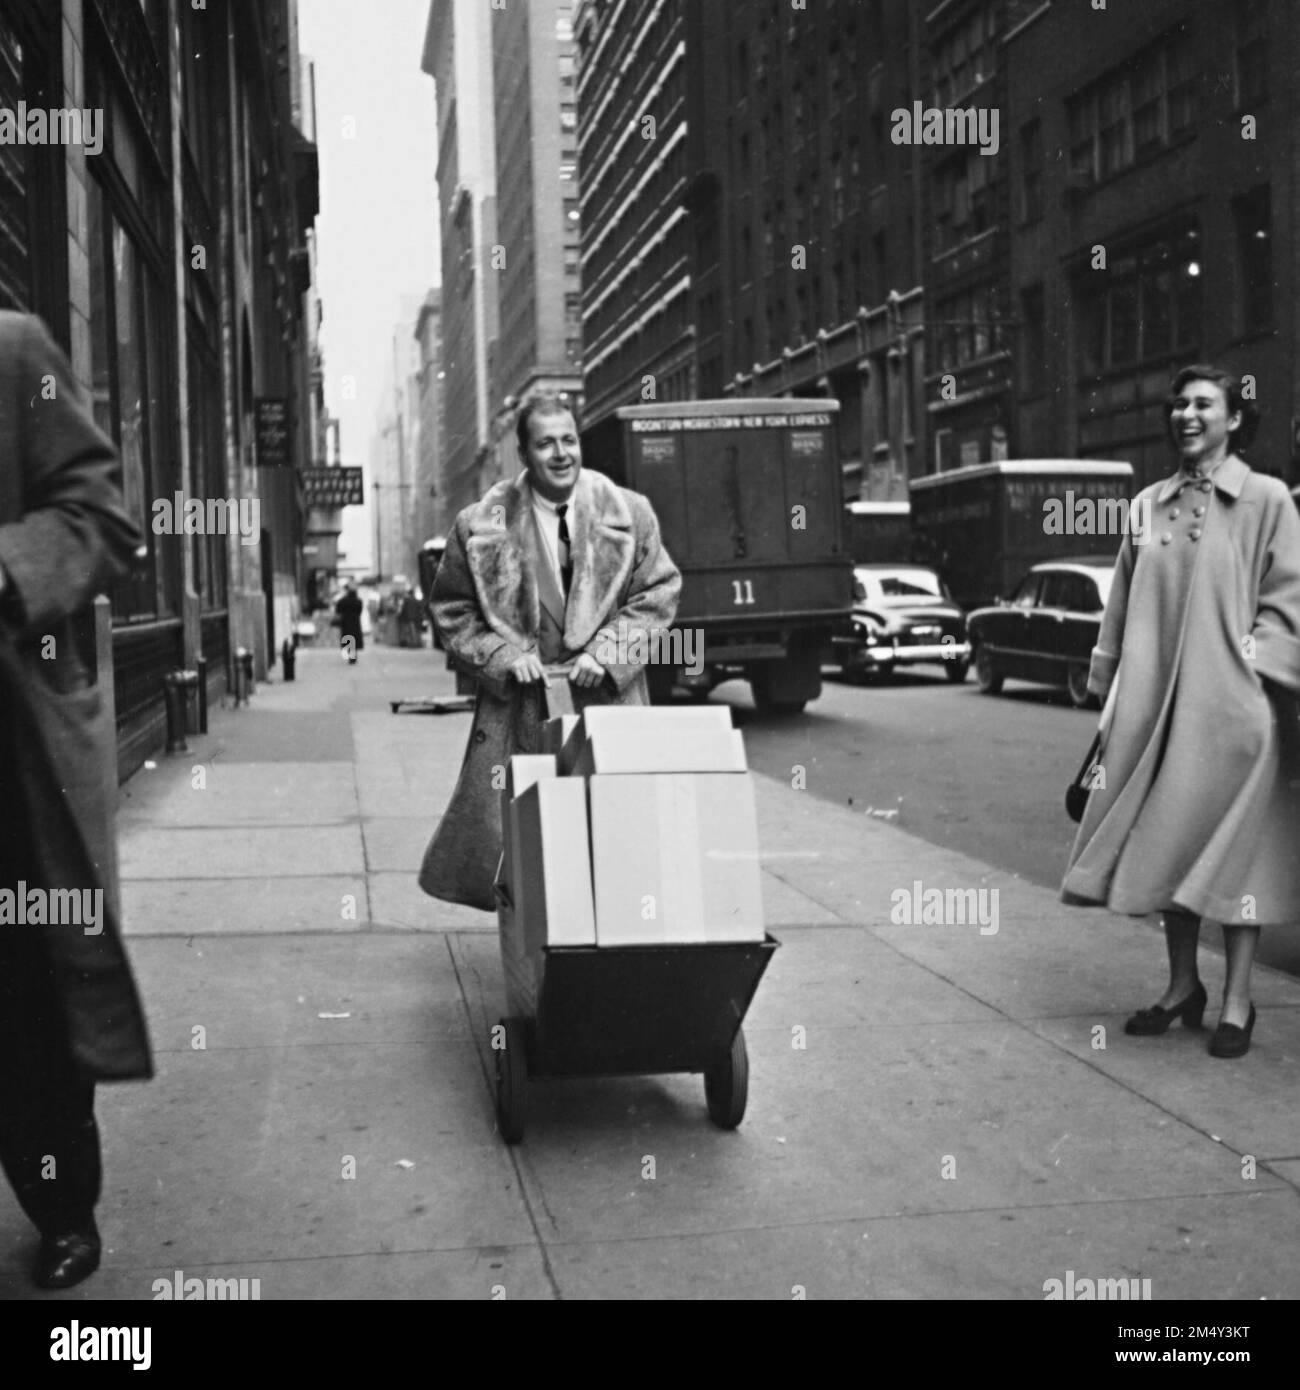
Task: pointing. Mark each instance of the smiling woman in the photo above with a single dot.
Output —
(1198, 659)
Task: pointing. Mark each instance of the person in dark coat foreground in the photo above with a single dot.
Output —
(348, 609)
(557, 566)
(69, 1012)
(1198, 660)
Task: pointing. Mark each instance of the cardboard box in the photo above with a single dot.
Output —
(552, 865)
(524, 769)
(559, 734)
(675, 858)
(618, 739)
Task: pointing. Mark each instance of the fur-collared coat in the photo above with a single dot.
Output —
(1201, 735)
(487, 608)
(64, 536)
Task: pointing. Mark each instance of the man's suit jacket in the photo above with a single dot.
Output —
(489, 606)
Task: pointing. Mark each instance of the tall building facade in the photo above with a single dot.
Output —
(1154, 187)
(638, 340)
(534, 65)
(395, 450)
(431, 517)
(458, 56)
(170, 262)
(749, 226)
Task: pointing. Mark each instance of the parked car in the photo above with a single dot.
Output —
(902, 616)
(1046, 630)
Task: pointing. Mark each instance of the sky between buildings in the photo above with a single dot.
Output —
(377, 233)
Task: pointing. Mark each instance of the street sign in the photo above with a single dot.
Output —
(271, 415)
(333, 487)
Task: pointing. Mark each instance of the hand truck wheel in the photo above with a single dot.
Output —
(726, 1084)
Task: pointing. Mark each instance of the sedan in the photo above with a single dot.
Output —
(902, 616)
(1046, 630)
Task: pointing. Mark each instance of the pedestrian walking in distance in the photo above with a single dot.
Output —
(348, 609)
(531, 574)
(69, 1012)
(1198, 661)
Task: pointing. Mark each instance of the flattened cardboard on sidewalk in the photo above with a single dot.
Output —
(627, 740)
(552, 864)
(680, 846)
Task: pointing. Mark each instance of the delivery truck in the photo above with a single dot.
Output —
(749, 499)
(879, 533)
(984, 526)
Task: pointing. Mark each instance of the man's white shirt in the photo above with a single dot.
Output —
(548, 520)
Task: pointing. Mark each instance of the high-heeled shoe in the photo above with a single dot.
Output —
(1149, 1023)
(1230, 1040)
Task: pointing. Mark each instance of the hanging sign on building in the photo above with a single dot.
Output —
(333, 487)
(271, 414)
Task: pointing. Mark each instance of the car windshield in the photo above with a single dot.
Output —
(875, 585)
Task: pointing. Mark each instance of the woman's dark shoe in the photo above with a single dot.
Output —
(1231, 1041)
(67, 1258)
(1149, 1023)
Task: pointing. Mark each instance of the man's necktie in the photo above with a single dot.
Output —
(566, 558)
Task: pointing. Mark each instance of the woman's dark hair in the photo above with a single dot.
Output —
(1230, 384)
(542, 403)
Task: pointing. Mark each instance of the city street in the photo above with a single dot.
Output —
(985, 775)
(930, 1112)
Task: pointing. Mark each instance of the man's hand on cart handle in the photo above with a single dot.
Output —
(529, 668)
(587, 672)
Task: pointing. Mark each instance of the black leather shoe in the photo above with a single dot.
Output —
(67, 1258)
(1149, 1023)
(1231, 1041)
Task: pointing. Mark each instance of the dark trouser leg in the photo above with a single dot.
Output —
(49, 1142)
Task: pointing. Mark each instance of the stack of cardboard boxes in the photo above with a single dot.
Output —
(637, 826)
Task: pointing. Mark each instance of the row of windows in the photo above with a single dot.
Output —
(661, 265)
(613, 176)
(965, 55)
(1134, 111)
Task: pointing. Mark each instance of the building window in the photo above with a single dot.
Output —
(1146, 309)
(1252, 52)
(837, 190)
(1031, 171)
(1134, 111)
(1033, 342)
(1253, 214)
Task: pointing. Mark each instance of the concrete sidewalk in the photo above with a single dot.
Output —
(949, 1127)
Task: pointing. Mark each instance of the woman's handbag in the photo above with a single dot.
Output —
(1076, 794)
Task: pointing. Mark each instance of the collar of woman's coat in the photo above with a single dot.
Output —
(1229, 477)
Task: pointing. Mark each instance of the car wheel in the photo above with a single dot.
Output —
(986, 674)
(956, 670)
(1076, 682)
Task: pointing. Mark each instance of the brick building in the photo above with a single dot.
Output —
(171, 265)
(1153, 166)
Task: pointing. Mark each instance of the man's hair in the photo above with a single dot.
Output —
(1230, 384)
(542, 403)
